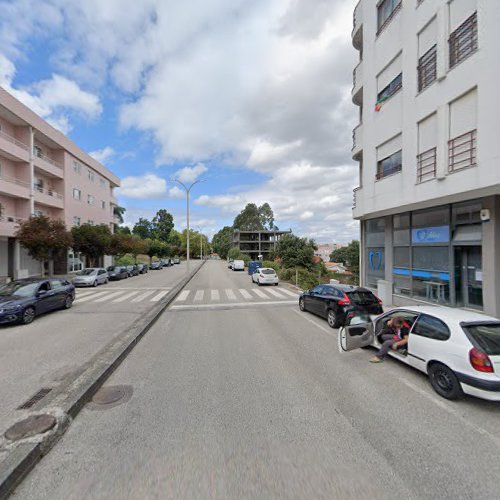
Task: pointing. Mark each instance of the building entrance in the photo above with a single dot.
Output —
(469, 276)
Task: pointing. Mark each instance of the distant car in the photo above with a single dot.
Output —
(165, 262)
(92, 276)
(118, 273)
(339, 303)
(155, 266)
(459, 350)
(143, 269)
(265, 276)
(132, 271)
(22, 300)
(177, 260)
(238, 265)
(230, 263)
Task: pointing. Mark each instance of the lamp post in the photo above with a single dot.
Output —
(188, 190)
(200, 229)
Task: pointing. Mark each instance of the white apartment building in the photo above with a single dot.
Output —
(428, 147)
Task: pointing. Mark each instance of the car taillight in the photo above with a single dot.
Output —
(344, 301)
(261, 275)
(480, 361)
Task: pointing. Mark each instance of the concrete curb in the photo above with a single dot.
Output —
(18, 459)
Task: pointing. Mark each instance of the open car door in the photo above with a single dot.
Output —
(356, 335)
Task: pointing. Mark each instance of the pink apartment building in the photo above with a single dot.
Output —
(44, 172)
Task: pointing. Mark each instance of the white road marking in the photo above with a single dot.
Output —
(288, 292)
(275, 293)
(199, 295)
(90, 297)
(143, 296)
(123, 298)
(183, 296)
(245, 294)
(233, 305)
(108, 296)
(230, 294)
(317, 325)
(260, 293)
(159, 296)
(214, 295)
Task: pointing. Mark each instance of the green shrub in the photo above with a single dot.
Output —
(125, 260)
(272, 265)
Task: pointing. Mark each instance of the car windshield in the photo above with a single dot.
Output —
(487, 337)
(116, 269)
(18, 289)
(86, 272)
(359, 297)
(268, 271)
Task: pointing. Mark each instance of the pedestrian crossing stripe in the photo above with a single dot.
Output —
(215, 296)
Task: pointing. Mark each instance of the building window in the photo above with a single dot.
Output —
(90, 222)
(386, 10)
(102, 182)
(103, 205)
(77, 221)
(77, 194)
(390, 165)
(90, 199)
(37, 151)
(462, 151)
(427, 68)
(463, 41)
(375, 251)
(389, 91)
(77, 168)
(90, 175)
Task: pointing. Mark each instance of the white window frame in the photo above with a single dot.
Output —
(79, 197)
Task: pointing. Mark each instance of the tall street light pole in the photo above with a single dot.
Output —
(188, 190)
(200, 229)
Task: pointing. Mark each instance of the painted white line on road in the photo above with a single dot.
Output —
(245, 294)
(90, 297)
(183, 295)
(214, 294)
(159, 296)
(275, 293)
(230, 294)
(123, 298)
(199, 295)
(108, 296)
(317, 325)
(233, 304)
(260, 294)
(143, 296)
(288, 292)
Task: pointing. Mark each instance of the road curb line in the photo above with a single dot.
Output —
(17, 460)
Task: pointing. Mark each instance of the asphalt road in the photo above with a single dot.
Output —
(255, 401)
(56, 345)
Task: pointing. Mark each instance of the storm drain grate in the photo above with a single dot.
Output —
(34, 399)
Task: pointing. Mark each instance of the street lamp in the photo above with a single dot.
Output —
(188, 190)
(200, 229)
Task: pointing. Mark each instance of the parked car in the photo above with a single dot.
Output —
(253, 265)
(92, 276)
(22, 300)
(118, 273)
(459, 350)
(177, 260)
(339, 303)
(165, 262)
(155, 266)
(132, 271)
(265, 276)
(143, 268)
(238, 265)
(230, 263)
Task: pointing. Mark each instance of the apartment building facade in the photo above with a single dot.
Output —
(44, 172)
(428, 147)
(258, 245)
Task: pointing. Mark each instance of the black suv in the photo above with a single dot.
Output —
(339, 303)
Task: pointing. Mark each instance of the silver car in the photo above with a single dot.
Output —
(92, 276)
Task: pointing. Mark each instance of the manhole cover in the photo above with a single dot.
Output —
(31, 426)
(110, 396)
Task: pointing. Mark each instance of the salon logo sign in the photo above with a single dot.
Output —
(375, 260)
(438, 234)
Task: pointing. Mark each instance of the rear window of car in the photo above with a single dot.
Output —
(359, 297)
(487, 336)
(268, 271)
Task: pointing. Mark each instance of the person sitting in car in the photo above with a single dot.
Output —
(394, 335)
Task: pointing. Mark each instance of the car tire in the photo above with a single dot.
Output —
(106, 281)
(332, 319)
(276, 284)
(445, 382)
(302, 306)
(28, 315)
(68, 302)
(95, 283)
(259, 283)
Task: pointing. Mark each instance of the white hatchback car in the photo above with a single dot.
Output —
(458, 349)
(265, 276)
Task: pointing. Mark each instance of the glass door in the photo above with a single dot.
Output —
(469, 276)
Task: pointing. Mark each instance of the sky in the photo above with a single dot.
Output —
(251, 98)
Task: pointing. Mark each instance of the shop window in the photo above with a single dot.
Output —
(431, 218)
(375, 265)
(430, 273)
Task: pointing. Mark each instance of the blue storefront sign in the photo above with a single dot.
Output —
(424, 235)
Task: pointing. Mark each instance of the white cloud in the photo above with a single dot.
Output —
(103, 155)
(176, 193)
(190, 174)
(146, 186)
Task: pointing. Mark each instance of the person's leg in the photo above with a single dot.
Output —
(386, 345)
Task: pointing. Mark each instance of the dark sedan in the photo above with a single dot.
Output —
(155, 266)
(339, 303)
(143, 268)
(22, 300)
(117, 273)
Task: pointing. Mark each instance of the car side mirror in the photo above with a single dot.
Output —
(41, 293)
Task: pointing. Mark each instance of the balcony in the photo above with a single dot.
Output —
(357, 84)
(48, 164)
(48, 197)
(462, 151)
(12, 148)
(426, 165)
(357, 142)
(357, 30)
(14, 187)
(9, 225)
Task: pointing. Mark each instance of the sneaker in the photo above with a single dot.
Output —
(376, 359)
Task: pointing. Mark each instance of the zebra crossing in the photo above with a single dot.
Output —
(120, 295)
(228, 295)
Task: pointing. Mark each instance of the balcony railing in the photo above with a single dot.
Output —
(354, 196)
(47, 159)
(11, 219)
(462, 151)
(13, 140)
(427, 68)
(13, 180)
(426, 165)
(48, 192)
(463, 41)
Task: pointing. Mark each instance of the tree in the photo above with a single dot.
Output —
(266, 215)
(118, 213)
(248, 219)
(348, 255)
(122, 230)
(44, 238)
(143, 228)
(163, 223)
(92, 241)
(294, 251)
(222, 241)
(233, 253)
(120, 244)
(138, 247)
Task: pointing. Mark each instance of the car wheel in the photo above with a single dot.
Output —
(445, 382)
(276, 284)
(333, 320)
(68, 302)
(95, 283)
(28, 316)
(259, 283)
(302, 306)
(106, 281)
